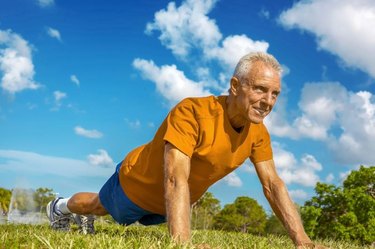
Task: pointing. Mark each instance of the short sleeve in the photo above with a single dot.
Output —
(182, 128)
(262, 149)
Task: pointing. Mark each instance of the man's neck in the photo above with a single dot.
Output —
(235, 119)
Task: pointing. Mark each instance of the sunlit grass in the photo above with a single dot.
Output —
(116, 236)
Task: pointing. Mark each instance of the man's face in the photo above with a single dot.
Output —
(256, 95)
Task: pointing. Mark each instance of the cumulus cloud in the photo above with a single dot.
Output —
(354, 44)
(189, 33)
(233, 48)
(100, 159)
(54, 33)
(170, 82)
(87, 133)
(344, 120)
(291, 170)
(74, 79)
(232, 180)
(186, 26)
(45, 3)
(16, 63)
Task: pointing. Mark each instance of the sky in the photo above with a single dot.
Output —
(82, 83)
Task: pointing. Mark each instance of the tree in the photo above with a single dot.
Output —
(204, 210)
(41, 197)
(5, 196)
(274, 226)
(346, 212)
(244, 215)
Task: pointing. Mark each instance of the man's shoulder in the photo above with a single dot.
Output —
(203, 107)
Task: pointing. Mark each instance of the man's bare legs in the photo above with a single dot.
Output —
(86, 203)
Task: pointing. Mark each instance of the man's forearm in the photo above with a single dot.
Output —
(178, 209)
(177, 197)
(286, 211)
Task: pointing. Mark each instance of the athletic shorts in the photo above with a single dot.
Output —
(121, 208)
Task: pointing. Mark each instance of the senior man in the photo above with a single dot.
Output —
(201, 140)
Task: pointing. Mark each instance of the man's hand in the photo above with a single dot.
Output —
(311, 245)
(177, 197)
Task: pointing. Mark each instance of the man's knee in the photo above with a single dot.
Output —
(98, 207)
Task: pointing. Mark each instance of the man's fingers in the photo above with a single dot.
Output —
(312, 246)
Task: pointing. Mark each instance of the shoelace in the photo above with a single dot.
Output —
(62, 221)
(87, 223)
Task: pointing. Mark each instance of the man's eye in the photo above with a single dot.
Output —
(259, 89)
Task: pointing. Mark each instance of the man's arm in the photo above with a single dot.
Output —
(177, 197)
(277, 195)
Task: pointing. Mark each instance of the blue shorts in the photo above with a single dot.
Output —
(121, 208)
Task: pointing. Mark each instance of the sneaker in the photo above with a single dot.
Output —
(85, 223)
(58, 220)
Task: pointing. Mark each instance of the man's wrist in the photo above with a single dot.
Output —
(305, 244)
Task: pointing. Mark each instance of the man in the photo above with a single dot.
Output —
(201, 141)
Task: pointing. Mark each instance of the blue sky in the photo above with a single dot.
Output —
(84, 82)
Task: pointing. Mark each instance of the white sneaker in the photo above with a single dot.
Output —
(85, 223)
(58, 220)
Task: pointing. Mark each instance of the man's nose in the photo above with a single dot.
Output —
(268, 99)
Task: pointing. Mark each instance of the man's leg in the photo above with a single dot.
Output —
(86, 203)
(81, 207)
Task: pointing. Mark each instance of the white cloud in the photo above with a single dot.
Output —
(302, 172)
(344, 120)
(12, 160)
(64, 175)
(233, 48)
(186, 26)
(298, 194)
(54, 33)
(320, 104)
(170, 82)
(87, 133)
(100, 159)
(232, 180)
(16, 63)
(189, 33)
(58, 97)
(74, 79)
(342, 27)
(45, 3)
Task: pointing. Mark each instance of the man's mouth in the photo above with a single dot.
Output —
(260, 112)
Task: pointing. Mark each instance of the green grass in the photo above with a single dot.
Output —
(116, 236)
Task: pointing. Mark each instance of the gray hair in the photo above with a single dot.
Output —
(245, 63)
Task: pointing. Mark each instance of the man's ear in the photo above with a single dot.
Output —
(234, 84)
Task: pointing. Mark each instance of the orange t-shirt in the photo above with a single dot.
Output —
(200, 128)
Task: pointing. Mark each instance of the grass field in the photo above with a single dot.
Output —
(116, 236)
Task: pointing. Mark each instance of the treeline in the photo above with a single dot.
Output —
(344, 212)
